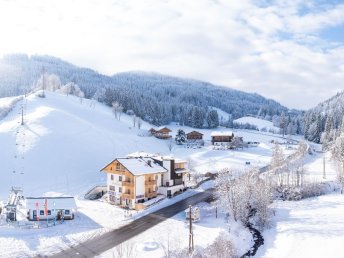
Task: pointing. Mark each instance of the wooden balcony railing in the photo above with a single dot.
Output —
(128, 183)
(151, 194)
(127, 195)
(151, 182)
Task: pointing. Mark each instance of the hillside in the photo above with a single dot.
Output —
(65, 142)
(158, 99)
(261, 124)
(328, 114)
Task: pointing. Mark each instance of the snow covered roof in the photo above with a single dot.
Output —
(222, 133)
(180, 161)
(141, 166)
(163, 127)
(62, 203)
(194, 132)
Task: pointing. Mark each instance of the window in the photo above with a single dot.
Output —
(49, 212)
(149, 190)
(128, 192)
(111, 177)
(118, 166)
(41, 213)
(112, 188)
(67, 212)
(120, 189)
(149, 179)
(156, 177)
(120, 178)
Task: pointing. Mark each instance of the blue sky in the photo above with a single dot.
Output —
(288, 50)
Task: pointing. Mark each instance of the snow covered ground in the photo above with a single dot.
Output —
(60, 150)
(260, 123)
(173, 234)
(309, 228)
(65, 142)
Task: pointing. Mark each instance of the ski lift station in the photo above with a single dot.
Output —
(49, 208)
(195, 214)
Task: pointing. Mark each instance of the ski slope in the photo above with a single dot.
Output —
(260, 123)
(66, 140)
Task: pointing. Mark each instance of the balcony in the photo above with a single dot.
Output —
(127, 196)
(128, 183)
(151, 182)
(151, 194)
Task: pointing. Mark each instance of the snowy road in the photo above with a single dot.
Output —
(104, 242)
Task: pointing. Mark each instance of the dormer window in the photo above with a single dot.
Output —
(118, 166)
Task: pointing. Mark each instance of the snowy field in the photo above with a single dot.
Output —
(260, 123)
(309, 228)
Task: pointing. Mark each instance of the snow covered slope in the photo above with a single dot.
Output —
(66, 140)
(63, 144)
(260, 123)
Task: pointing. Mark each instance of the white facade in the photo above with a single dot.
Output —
(43, 208)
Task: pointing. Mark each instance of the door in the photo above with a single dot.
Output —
(34, 215)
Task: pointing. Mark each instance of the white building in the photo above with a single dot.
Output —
(43, 208)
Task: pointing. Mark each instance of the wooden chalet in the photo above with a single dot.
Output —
(132, 181)
(194, 135)
(221, 137)
(161, 132)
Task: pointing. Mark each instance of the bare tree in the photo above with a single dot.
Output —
(117, 109)
(338, 156)
(134, 120)
(139, 123)
(170, 144)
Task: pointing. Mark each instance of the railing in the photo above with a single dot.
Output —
(128, 183)
(151, 182)
(151, 194)
(127, 196)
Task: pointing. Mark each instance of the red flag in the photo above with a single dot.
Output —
(46, 207)
(37, 210)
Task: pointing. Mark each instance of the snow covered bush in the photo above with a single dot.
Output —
(7, 104)
(222, 247)
(244, 195)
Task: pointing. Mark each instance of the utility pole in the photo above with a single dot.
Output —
(324, 167)
(43, 82)
(191, 242)
(22, 115)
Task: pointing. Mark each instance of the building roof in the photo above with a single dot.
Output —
(141, 166)
(222, 133)
(194, 132)
(163, 127)
(65, 203)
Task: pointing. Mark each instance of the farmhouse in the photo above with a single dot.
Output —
(218, 138)
(161, 132)
(49, 208)
(136, 179)
(194, 135)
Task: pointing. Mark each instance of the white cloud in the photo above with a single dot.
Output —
(272, 49)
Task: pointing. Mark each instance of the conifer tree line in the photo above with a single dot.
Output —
(155, 98)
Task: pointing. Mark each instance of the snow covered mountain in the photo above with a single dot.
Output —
(329, 112)
(156, 98)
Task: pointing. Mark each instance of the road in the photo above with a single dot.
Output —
(100, 244)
